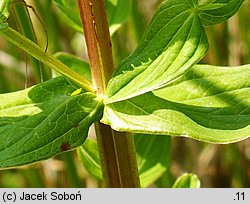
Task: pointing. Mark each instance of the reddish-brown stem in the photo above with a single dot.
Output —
(117, 151)
(97, 38)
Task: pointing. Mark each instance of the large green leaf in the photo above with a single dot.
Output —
(155, 92)
(187, 181)
(208, 103)
(153, 157)
(174, 42)
(44, 120)
(117, 11)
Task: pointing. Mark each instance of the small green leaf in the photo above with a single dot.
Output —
(44, 120)
(4, 13)
(208, 103)
(76, 92)
(212, 12)
(153, 157)
(76, 64)
(4, 10)
(187, 181)
(88, 153)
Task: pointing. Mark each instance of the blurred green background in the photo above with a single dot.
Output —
(215, 165)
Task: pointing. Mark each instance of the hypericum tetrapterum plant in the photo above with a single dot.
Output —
(158, 89)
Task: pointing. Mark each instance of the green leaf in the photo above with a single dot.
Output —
(213, 12)
(4, 10)
(4, 13)
(44, 120)
(76, 64)
(187, 181)
(153, 157)
(117, 11)
(173, 43)
(208, 103)
(89, 156)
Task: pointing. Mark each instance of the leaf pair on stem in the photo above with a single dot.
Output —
(158, 89)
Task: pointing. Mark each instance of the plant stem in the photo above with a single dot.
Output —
(126, 159)
(107, 154)
(98, 42)
(116, 149)
(35, 51)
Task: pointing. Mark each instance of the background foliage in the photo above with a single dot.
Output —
(215, 165)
